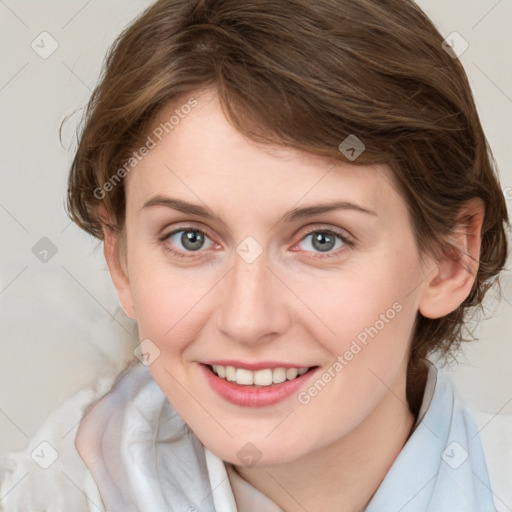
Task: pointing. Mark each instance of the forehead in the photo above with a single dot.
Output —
(201, 155)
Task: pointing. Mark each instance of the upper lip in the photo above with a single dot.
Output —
(262, 365)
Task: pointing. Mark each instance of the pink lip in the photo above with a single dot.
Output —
(252, 396)
(256, 366)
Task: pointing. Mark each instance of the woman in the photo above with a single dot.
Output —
(298, 207)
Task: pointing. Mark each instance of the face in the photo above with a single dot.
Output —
(272, 279)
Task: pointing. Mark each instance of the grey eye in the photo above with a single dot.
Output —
(190, 239)
(324, 241)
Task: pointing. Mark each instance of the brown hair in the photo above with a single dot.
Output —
(307, 74)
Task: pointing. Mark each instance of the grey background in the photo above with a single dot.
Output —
(60, 321)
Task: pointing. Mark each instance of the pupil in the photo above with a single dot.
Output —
(192, 240)
(325, 242)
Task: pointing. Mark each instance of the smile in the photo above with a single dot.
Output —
(258, 388)
(264, 377)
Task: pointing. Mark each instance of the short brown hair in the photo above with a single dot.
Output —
(306, 74)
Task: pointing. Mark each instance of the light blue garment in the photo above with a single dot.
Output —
(144, 457)
(442, 466)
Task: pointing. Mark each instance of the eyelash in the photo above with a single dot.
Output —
(337, 234)
(180, 255)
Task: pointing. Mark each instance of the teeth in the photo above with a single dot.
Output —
(278, 375)
(244, 377)
(230, 373)
(291, 373)
(265, 377)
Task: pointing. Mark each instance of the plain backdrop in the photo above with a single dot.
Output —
(60, 321)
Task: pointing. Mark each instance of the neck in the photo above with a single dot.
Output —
(345, 475)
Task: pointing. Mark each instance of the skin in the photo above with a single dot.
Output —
(332, 453)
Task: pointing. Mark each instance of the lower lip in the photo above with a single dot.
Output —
(252, 396)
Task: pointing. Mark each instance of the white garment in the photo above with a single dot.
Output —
(194, 479)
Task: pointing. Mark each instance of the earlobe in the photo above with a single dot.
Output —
(118, 272)
(456, 271)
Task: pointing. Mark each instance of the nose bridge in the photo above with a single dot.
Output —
(252, 306)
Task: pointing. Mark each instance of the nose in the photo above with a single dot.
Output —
(254, 306)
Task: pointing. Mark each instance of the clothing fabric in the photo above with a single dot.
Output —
(140, 455)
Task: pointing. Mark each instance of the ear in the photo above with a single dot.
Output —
(117, 266)
(457, 269)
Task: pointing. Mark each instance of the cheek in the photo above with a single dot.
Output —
(366, 328)
(169, 302)
(374, 300)
(170, 314)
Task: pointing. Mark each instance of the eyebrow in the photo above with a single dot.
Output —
(292, 215)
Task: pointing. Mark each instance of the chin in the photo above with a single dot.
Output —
(256, 453)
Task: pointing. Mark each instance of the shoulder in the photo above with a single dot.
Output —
(495, 433)
(49, 474)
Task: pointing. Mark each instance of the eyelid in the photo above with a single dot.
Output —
(344, 234)
(183, 226)
(178, 253)
(347, 238)
(189, 227)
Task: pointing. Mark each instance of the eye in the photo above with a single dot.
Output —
(187, 240)
(325, 241)
(184, 242)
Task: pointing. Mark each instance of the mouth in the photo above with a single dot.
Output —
(266, 385)
(265, 377)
